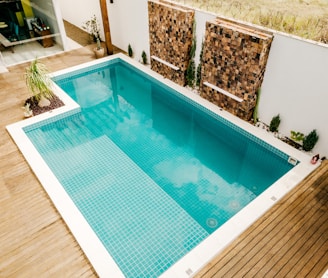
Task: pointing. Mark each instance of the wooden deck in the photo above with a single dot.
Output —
(289, 241)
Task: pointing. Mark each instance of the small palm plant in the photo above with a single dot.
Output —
(38, 82)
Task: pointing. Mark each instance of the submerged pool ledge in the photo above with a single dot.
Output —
(192, 262)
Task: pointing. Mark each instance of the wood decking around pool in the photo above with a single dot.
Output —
(290, 240)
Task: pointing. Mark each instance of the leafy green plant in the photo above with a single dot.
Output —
(190, 77)
(191, 69)
(144, 57)
(274, 124)
(199, 67)
(296, 136)
(130, 51)
(38, 81)
(310, 140)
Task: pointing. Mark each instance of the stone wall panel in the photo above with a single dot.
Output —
(234, 59)
(170, 35)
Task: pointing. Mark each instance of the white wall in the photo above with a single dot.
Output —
(295, 86)
(295, 81)
(129, 25)
(77, 12)
(201, 18)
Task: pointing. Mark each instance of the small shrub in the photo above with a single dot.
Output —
(310, 140)
(130, 51)
(274, 124)
(144, 57)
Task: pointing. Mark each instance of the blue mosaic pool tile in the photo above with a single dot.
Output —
(142, 227)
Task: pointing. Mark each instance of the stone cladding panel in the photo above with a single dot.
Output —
(170, 36)
(234, 59)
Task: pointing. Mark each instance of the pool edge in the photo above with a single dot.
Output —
(190, 264)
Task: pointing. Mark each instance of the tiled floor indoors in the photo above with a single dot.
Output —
(291, 240)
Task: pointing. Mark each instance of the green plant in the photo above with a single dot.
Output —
(191, 69)
(274, 124)
(144, 57)
(130, 51)
(296, 136)
(92, 27)
(38, 81)
(199, 67)
(310, 140)
(190, 75)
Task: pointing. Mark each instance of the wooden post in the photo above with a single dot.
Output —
(104, 15)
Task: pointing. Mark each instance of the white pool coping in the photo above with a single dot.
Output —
(193, 261)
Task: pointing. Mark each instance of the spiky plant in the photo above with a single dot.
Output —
(38, 81)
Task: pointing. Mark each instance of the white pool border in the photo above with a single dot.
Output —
(192, 262)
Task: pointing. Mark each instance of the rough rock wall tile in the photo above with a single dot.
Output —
(170, 35)
(234, 59)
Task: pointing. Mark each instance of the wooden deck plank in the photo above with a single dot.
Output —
(34, 240)
(284, 239)
(291, 238)
(248, 240)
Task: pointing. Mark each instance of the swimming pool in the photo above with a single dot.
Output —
(154, 179)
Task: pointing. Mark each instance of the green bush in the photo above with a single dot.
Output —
(144, 57)
(274, 124)
(310, 140)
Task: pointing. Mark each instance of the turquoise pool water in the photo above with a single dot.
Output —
(153, 172)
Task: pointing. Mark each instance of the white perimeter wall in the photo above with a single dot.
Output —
(296, 87)
(295, 81)
(77, 12)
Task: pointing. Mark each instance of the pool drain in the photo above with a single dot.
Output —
(211, 222)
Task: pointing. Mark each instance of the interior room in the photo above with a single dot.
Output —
(28, 29)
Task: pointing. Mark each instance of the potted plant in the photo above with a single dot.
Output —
(39, 83)
(92, 27)
(99, 50)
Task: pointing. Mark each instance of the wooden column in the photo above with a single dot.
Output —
(104, 15)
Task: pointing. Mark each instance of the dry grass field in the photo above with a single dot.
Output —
(304, 18)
